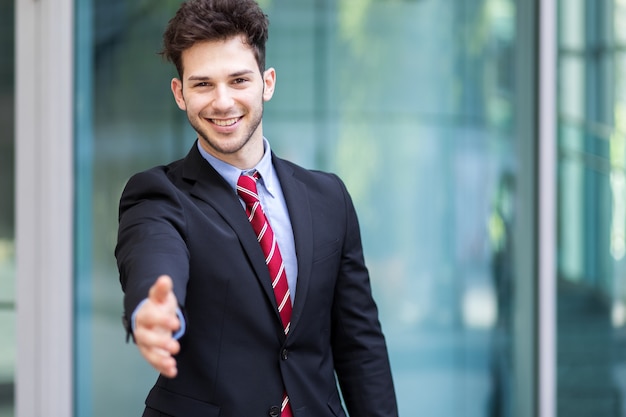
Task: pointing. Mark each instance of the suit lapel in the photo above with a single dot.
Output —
(209, 186)
(297, 200)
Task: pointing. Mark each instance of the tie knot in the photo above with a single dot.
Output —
(246, 187)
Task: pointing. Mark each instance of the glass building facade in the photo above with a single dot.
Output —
(7, 213)
(422, 132)
(429, 112)
(591, 274)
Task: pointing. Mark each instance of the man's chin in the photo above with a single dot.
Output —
(227, 146)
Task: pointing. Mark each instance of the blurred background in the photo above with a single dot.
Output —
(428, 109)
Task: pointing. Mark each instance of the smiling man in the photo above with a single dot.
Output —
(224, 102)
(244, 279)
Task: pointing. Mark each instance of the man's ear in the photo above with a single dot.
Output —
(177, 90)
(269, 82)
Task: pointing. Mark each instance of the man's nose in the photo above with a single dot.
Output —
(223, 98)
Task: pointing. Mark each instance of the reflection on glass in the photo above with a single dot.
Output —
(591, 360)
(7, 217)
(126, 122)
(412, 103)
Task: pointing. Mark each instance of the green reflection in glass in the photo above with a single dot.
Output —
(7, 214)
(591, 272)
(411, 102)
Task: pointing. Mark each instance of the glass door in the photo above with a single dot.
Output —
(414, 104)
(591, 359)
(7, 212)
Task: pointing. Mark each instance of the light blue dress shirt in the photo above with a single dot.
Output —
(272, 201)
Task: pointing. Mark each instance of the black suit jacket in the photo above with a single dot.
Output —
(184, 220)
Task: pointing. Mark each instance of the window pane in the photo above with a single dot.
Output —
(412, 103)
(591, 211)
(7, 215)
(126, 121)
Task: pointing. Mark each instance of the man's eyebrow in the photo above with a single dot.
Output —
(198, 78)
(207, 78)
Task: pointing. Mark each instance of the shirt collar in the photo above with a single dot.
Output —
(231, 173)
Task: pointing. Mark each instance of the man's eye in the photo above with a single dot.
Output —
(202, 84)
(240, 80)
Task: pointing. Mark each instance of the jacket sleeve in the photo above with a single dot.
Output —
(151, 238)
(359, 348)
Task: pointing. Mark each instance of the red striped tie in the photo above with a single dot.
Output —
(246, 188)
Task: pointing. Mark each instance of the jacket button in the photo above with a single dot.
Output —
(274, 411)
(283, 354)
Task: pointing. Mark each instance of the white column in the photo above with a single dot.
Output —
(547, 147)
(44, 207)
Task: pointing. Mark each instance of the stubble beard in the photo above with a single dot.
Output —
(228, 147)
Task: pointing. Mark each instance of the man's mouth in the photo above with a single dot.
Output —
(225, 122)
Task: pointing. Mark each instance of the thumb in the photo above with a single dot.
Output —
(161, 289)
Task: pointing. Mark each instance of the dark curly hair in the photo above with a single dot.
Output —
(212, 20)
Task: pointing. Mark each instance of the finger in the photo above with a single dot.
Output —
(160, 360)
(157, 348)
(159, 339)
(161, 289)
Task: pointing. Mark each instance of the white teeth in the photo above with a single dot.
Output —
(226, 122)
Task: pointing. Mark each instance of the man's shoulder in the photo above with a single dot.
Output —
(300, 172)
(323, 185)
(157, 179)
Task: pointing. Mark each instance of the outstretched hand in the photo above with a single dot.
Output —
(155, 322)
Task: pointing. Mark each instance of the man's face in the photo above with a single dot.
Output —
(222, 91)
